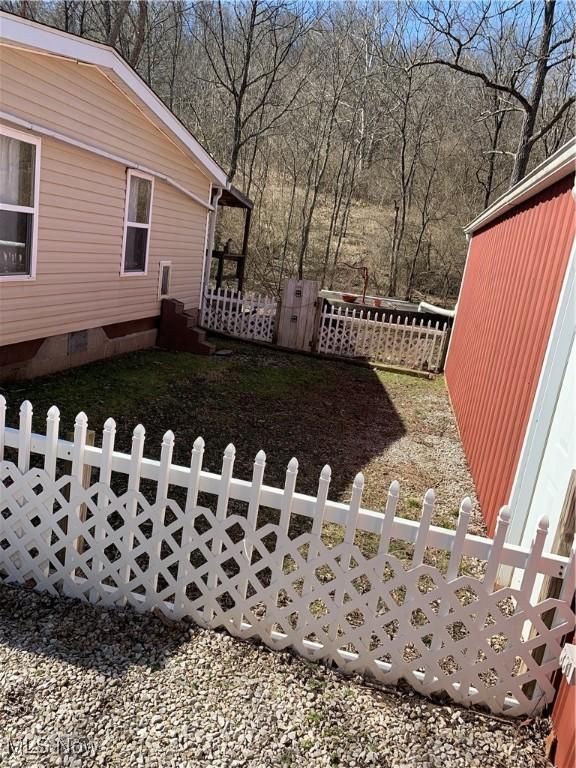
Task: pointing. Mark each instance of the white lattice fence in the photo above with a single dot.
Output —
(348, 332)
(256, 561)
(247, 316)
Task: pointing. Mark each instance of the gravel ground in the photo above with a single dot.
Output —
(81, 686)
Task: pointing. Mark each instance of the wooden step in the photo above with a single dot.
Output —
(179, 331)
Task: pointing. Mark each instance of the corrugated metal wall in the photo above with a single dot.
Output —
(564, 721)
(513, 277)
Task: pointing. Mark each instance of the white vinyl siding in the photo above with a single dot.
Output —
(84, 103)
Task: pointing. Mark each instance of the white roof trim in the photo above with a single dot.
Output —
(29, 34)
(43, 131)
(558, 165)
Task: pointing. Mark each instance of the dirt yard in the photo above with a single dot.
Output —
(389, 426)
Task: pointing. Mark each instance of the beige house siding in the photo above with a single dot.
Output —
(84, 103)
(78, 284)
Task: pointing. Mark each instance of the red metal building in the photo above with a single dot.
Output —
(518, 256)
(511, 372)
(564, 724)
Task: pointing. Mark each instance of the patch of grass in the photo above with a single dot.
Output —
(315, 684)
(320, 411)
(446, 519)
(275, 381)
(115, 386)
(287, 758)
(337, 732)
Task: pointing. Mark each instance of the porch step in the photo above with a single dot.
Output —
(178, 330)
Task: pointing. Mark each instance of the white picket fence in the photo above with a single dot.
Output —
(247, 315)
(257, 562)
(346, 332)
(343, 332)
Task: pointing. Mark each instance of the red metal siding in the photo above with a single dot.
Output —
(513, 277)
(564, 721)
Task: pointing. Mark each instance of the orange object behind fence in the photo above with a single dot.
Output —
(564, 723)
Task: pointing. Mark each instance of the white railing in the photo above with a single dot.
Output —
(348, 332)
(266, 567)
(247, 315)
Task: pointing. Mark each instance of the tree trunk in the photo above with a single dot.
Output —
(116, 24)
(393, 271)
(525, 144)
(239, 98)
(140, 32)
(498, 123)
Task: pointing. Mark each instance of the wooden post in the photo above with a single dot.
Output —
(247, 220)
(219, 271)
(317, 326)
(240, 272)
(444, 348)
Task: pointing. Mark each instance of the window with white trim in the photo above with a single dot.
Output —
(164, 279)
(138, 216)
(19, 169)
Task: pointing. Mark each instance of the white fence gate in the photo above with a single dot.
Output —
(247, 316)
(264, 567)
(348, 332)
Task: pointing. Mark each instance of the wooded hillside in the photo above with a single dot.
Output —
(367, 133)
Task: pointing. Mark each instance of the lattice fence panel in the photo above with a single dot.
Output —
(352, 333)
(258, 574)
(247, 316)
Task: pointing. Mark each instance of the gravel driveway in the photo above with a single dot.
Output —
(82, 686)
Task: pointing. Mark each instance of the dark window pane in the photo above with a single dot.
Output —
(165, 281)
(16, 172)
(15, 242)
(139, 202)
(135, 258)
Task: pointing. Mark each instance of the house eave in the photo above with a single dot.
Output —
(43, 39)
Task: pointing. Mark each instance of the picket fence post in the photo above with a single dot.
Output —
(185, 567)
(345, 560)
(251, 521)
(221, 511)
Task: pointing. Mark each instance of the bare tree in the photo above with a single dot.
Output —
(365, 132)
(466, 28)
(252, 51)
(139, 32)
